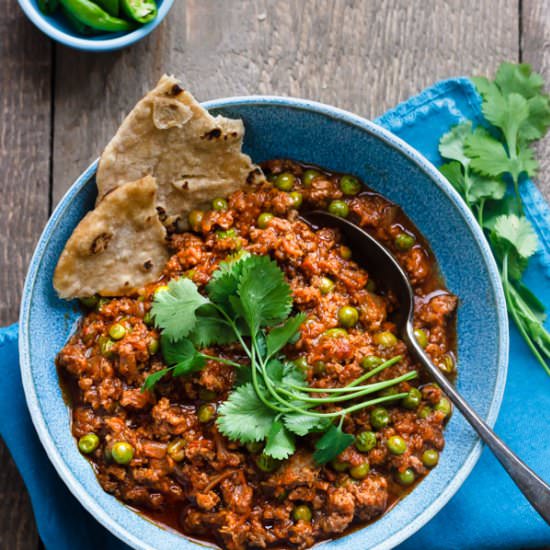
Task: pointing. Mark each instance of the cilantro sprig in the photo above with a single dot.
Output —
(249, 301)
(481, 161)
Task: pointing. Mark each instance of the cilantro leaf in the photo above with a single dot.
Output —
(174, 309)
(152, 379)
(303, 424)
(507, 113)
(451, 145)
(488, 155)
(264, 294)
(482, 187)
(518, 232)
(211, 328)
(538, 122)
(453, 172)
(278, 337)
(333, 442)
(507, 205)
(280, 442)
(518, 78)
(181, 355)
(225, 281)
(244, 417)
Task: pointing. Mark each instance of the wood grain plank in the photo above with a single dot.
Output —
(535, 49)
(361, 56)
(25, 88)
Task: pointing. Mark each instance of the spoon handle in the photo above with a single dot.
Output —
(535, 489)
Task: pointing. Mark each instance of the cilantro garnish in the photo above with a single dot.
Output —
(249, 301)
(480, 160)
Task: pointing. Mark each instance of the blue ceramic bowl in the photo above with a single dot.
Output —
(59, 29)
(318, 134)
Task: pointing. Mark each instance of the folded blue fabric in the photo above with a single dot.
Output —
(488, 511)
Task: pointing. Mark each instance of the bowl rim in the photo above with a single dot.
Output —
(73, 483)
(86, 44)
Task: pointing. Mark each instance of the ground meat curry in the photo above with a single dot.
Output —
(160, 451)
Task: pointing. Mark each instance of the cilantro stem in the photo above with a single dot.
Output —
(352, 385)
(221, 360)
(507, 287)
(365, 390)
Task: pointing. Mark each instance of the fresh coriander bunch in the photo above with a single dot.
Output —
(248, 301)
(480, 163)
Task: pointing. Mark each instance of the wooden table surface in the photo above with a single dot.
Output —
(59, 107)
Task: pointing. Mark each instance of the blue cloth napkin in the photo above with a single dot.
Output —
(487, 512)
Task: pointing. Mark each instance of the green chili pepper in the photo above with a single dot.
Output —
(142, 11)
(92, 15)
(112, 7)
(48, 7)
(77, 25)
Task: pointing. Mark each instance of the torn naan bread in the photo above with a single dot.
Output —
(193, 155)
(117, 248)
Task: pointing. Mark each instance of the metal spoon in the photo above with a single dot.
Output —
(383, 265)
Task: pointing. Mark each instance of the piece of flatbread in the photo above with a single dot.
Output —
(193, 155)
(117, 248)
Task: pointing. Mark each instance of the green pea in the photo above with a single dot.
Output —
(361, 471)
(229, 234)
(122, 452)
(90, 302)
(396, 445)
(365, 441)
(296, 198)
(219, 204)
(148, 319)
(371, 361)
(412, 400)
(421, 337)
(106, 346)
(266, 463)
(176, 449)
(345, 252)
(350, 185)
(339, 465)
(386, 339)
(371, 285)
(302, 513)
(195, 219)
(379, 418)
(424, 412)
(444, 406)
(430, 458)
(339, 208)
(404, 241)
(319, 367)
(447, 364)
(206, 413)
(335, 333)
(301, 363)
(207, 395)
(263, 219)
(117, 331)
(348, 316)
(254, 447)
(406, 477)
(189, 274)
(309, 176)
(88, 443)
(326, 285)
(285, 181)
(153, 346)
